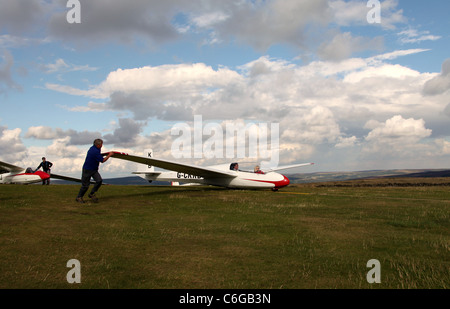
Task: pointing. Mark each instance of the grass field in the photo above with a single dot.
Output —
(304, 236)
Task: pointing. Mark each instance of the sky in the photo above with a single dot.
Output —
(351, 85)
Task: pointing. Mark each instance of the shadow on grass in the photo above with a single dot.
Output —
(162, 191)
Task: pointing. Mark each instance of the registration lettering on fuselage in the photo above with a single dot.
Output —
(188, 176)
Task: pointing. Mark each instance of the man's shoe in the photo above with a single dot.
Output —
(79, 200)
(93, 197)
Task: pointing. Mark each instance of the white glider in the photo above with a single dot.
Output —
(15, 174)
(10, 173)
(219, 175)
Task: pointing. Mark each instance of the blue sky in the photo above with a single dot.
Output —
(347, 94)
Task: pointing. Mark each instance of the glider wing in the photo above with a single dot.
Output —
(175, 166)
(10, 168)
(285, 167)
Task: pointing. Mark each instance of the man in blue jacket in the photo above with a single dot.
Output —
(46, 165)
(90, 169)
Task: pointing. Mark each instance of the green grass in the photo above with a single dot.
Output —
(205, 237)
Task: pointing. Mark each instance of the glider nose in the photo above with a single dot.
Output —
(43, 175)
(283, 183)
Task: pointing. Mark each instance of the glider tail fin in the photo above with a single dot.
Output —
(147, 171)
(147, 168)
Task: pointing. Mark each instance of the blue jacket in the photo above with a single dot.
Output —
(93, 159)
(45, 166)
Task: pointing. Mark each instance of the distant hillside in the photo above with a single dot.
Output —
(344, 176)
(429, 174)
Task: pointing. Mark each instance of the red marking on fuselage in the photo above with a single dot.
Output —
(278, 184)
(42, 175)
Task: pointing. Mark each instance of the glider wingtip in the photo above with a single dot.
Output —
(114, 152)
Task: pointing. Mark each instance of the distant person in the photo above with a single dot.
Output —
(90, 170)
(234, 166)
(257, 170)
(46, 165)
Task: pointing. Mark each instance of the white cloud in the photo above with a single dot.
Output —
(415, 36)
(13, 149)
(126, 135)
(395, 54)
(343, 45)
(60, 148)
(96, 93)
(349, 12)
(315, 127)
(41, 132)
(345, 142)
(209, 19)
(398, 128)
(185, 77)
(162, 91)
(71, 137)
(397, 136)
(354, 12)
(60, 66)
(14, 41)
(395, 71)
(262, 24)
(91, 107)
(440, 83)
(443, 147)
(6, 79)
